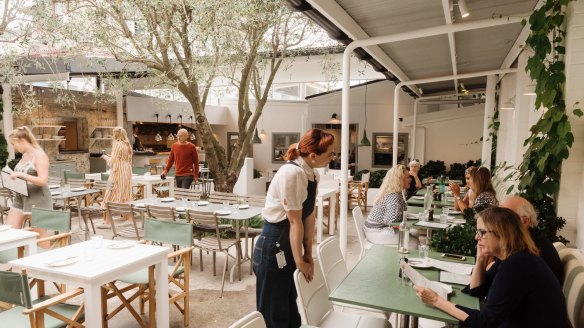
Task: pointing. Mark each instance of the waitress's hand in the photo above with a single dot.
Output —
(307, 269)
(105, 157)
(427, 295)
(15, 175)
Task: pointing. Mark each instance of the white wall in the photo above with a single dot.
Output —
(143, 108)
(571, 197)
(379, 112)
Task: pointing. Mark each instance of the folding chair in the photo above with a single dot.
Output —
(252, 320)
(358, 191)
(157, 232)
(73, 175)
(190, 194)
(124, 209)
(42, 312)
(6, 196)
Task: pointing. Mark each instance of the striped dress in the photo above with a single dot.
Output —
(120, 180)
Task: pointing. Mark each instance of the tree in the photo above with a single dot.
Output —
(187, 44)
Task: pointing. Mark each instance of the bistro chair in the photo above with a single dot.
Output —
(54, 181)
(6, 197)
(93, 206)
(189, 194)
(220, 197)
(140, 170)
(253, 233)
(213, 243)
(318, 309)
(123, 210)
(163, 190)
(252, 320)
(359, 223)
(160, 212)
(158, 232)
(43, 312)
(104, 176)
(358, 191)
(334, 269)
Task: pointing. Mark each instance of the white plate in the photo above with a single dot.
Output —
(135, 174)
(420, 263)
(437, 217)
(418, 197)
(181, 209)
(142, 205)
(242, 207)
(55, 186)
(167, 199)
(122, 244)
(223, 212)
(64, 262)
(78, 189)
(5, 227)
(457, 221)
(202, 203)
(454, 212)
(55, 193)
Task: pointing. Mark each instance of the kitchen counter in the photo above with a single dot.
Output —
(153, 159)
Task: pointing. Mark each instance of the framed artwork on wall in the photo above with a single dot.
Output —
(280, 144)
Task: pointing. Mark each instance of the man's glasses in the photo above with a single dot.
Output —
(482, 233)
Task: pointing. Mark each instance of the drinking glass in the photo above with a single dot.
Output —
(225, 204)
(423, 250)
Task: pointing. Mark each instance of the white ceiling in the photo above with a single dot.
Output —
(447, 54)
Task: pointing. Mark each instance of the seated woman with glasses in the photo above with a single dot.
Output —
(479, 183)
(388, 207)
(523, 293)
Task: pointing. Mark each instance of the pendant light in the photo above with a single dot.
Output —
(334, 119)
(157, 137)
(364, 141)
(256, 138)
(192, 136)
(170, 135)
(263, 133)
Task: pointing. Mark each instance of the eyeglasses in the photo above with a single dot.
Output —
(481, 233)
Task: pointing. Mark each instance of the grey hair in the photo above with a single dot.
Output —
(413, 163)
(527, 210)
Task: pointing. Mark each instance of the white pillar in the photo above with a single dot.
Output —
(489, 112)
(119, 108)
(8, 123)
(414, 127)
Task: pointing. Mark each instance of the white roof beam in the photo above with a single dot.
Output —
(451, 43)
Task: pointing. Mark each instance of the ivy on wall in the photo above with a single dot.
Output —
(551, 138)
(3, 143)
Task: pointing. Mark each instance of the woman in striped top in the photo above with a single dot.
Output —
(120, 179)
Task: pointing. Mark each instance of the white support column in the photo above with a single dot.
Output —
(489, 112)
(414, 127)
(119, 108)
(8, 123)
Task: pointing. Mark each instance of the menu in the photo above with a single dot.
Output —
(419, 280)
(17, 185)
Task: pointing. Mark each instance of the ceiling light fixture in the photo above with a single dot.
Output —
(463, 8)
(334, 119)
(365, 141)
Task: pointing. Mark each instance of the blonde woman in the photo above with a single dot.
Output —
(34, 169)
(388, 207)
(120, 179)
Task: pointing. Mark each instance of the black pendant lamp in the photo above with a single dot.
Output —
(365, 141)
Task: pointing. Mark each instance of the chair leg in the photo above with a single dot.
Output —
(224, 272)
(201, 259)
(214, 263)
(251, 260)
(104, 323)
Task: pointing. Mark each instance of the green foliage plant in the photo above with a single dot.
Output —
(551, 138)
(3, 143)
(459, 239)
(376, 178)
(433, 169)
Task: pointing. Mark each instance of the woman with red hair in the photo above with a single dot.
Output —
(287, 236)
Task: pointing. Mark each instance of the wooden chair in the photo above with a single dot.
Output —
(190, 194)
(124, 210)
(358, 191)
(54, 181)
(42, 312)
(220, 197)
(6, 197)
(160, 212)
(140, 170)
(73, 175)
(213, 243)
(158, 232)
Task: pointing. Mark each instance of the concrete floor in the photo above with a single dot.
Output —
(207, 309)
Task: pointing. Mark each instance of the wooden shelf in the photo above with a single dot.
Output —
(62, 139)
(47, 126)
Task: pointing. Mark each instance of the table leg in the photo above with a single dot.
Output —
(238, 261)
(162, 314)
(79, 213)
(31, 248)
(319, 215)
(93, 315)
(333, 214)
(148, 189)
(171, 189)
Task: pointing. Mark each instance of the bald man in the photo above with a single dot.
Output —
(528, 216)
(185, 158)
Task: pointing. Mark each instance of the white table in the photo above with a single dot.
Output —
(146, 180)
(108, 265)
(14, 238)
(331, 195)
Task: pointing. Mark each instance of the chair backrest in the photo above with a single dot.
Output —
(207, 220)
(573, 285)
(189, 194)
(313, 296)
(115, 209)
(15, 290)
(161, 212)
(219, 197)
(54, 181)
(51, 220)
(332, 263)
(74, 175)
(168, 232)
(102, 185)
(359, 222)
(255, 200)
(105, 176)
(252, 320)
(76, 183)
(139, 170)
(559, 246)
(6, 195)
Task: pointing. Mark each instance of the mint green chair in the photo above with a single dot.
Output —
(139, 170)
(73, 175)
(158, 232)
(105, 176)
(50, 220)
(40, 313)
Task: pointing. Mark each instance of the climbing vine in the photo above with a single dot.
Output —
(551, 138)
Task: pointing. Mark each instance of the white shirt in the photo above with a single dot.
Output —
(288, 190)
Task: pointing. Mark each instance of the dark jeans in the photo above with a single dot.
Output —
(275, 290)
(184, 182)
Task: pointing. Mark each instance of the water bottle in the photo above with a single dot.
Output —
(404, 235)
(441, 187)
(428, 198)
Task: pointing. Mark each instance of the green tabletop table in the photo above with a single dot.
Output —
(374, 283)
